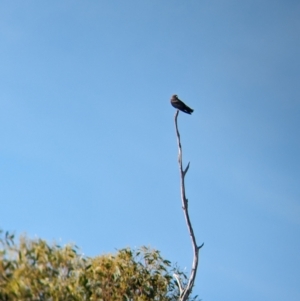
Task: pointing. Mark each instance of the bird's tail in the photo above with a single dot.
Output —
(189, 110)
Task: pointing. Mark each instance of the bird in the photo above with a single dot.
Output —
(180, 105)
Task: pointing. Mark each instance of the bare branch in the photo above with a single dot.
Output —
(186, 169)
(199, 247)
(179, 283)
(186, 291)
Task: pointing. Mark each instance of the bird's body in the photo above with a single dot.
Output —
(180, 105)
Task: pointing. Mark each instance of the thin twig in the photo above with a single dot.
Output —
(185, 292)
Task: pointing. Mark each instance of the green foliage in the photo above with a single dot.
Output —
(33, 270)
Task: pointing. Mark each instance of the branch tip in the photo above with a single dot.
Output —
(199, 247)
(186, 169)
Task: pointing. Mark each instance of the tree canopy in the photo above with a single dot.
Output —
(32, 269)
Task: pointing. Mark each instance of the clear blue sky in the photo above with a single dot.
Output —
(88, 149)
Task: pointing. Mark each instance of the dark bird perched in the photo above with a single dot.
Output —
(180, 105)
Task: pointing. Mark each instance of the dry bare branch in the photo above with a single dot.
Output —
(187, 290)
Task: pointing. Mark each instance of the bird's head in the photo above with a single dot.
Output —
(174, 96)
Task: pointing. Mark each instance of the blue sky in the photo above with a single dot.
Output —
(88, 149)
